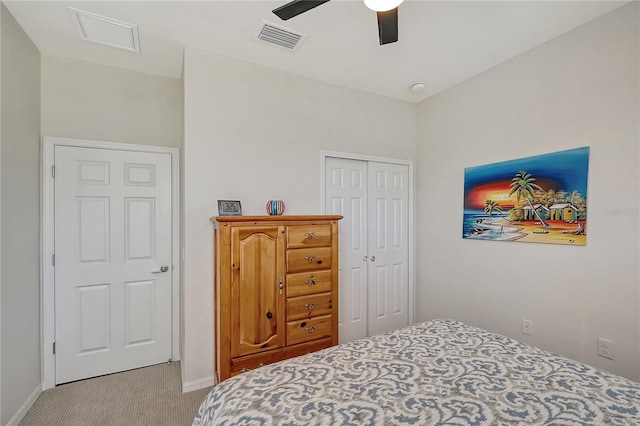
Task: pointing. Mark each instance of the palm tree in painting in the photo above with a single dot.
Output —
(491, 207)
(549, 198)
(523, 186)
(561, 196)
(516, 214)
(576, 199)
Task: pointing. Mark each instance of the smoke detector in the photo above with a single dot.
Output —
(417, 87)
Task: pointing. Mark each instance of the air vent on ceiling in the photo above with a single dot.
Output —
(102, 30)
(280, 36)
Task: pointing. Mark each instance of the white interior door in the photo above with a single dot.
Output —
(112, 261)
(346, 192)
(387, 199)
(373, 197)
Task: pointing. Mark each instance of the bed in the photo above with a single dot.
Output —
(433, 373)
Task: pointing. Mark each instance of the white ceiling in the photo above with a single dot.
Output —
(441, 43)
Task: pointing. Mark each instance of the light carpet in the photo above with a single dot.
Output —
(146, 396)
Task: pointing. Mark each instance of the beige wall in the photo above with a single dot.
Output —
(580, 89)
(90, 101)
(20, 219)
(1, 418)
(84, 100)
(1, 422)
(254, 134)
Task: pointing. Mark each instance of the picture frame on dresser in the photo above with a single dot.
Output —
(229, 208)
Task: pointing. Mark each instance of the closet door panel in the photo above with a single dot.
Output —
(345, 194)
(388, 199)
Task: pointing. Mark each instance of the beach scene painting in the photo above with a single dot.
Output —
(541, 199)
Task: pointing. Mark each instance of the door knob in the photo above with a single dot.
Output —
(163, 268)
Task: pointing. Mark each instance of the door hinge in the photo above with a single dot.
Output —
(54, 348)
(53, 260)
(53, 171)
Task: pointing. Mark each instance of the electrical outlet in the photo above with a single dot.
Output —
(605, 348)
(527, 326)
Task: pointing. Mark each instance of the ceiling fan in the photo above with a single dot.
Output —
(387, 11)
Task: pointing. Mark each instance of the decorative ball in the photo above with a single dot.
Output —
(275, 207)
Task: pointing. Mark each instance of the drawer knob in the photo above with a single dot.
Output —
(310, 235)
(310, 329)
(310, 282)
(310, 306)
(310, 259)
(269, 315)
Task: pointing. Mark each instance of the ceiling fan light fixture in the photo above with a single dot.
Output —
(382, 5)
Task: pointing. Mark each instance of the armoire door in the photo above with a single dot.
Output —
(257, 299)
(373, 197)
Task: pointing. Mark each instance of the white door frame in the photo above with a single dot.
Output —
(47, 312)
(409, 163)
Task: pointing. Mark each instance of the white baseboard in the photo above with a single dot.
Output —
(198, 384)
(17, 418)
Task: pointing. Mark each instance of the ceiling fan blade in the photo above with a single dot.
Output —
(388, 26)
(296, 7)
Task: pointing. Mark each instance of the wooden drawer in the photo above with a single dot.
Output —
(250, 362)
(311, 259)
(308, 329)
(309, 306)
(308, 283)
(300, 236)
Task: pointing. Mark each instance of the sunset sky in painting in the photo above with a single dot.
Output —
(498, 191)
(560, 171)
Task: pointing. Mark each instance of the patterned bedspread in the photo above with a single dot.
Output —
(441, 372)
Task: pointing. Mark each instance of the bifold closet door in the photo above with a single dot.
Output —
(373, 249)
(388, 248)
(345, 194)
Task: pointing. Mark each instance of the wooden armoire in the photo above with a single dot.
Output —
(276, 289)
